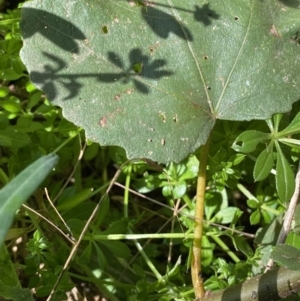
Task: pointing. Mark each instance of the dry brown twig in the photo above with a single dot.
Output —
(76, 245)
(288, 218)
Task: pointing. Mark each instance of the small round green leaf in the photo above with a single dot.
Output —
(4, 91)
(255, 217)
(252, 204)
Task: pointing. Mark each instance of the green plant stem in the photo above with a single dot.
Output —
(137, 244)
(198, 225)
(138, 236)
(126, 191)
(225, 248)
(66, 142)
(188, 201)
(250, 196)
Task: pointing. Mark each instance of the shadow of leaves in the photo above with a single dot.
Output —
(205, 15)
(54, 28)
(140, 66)
(163, 24)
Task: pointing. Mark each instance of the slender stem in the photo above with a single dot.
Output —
(188, 201)
(66, 141)
(76, 245)
(225, 248)
(132, 236)
(126, 191)
(137, 244)
(250, 196)
(288, 218)
(198, 225)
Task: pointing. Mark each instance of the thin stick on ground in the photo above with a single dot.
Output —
(56, 211)
(73, 171)
(49, 222)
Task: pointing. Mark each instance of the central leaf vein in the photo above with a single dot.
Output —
(195, 59)
(236, 60)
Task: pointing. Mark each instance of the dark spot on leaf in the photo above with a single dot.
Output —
(102, 121)
(153, 47)
(105, 29)
(205, 57)
(208, 88)
(175, 118)
(236, 18)
(149, 140)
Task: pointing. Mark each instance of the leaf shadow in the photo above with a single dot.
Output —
(140, 66)
(66, 35)
(163, 24)
(59, 31)
(291, 3)
(205, 14)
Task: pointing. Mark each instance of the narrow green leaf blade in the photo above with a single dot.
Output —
(102, 261)
(74, 201)
(294, 126)
(285, 178)
(16, 192)
(242, 245)
(287, 255)
(263, 164)
(206, 251)
(118, 248)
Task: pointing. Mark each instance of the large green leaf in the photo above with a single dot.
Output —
(154, 77)
(16, 192)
